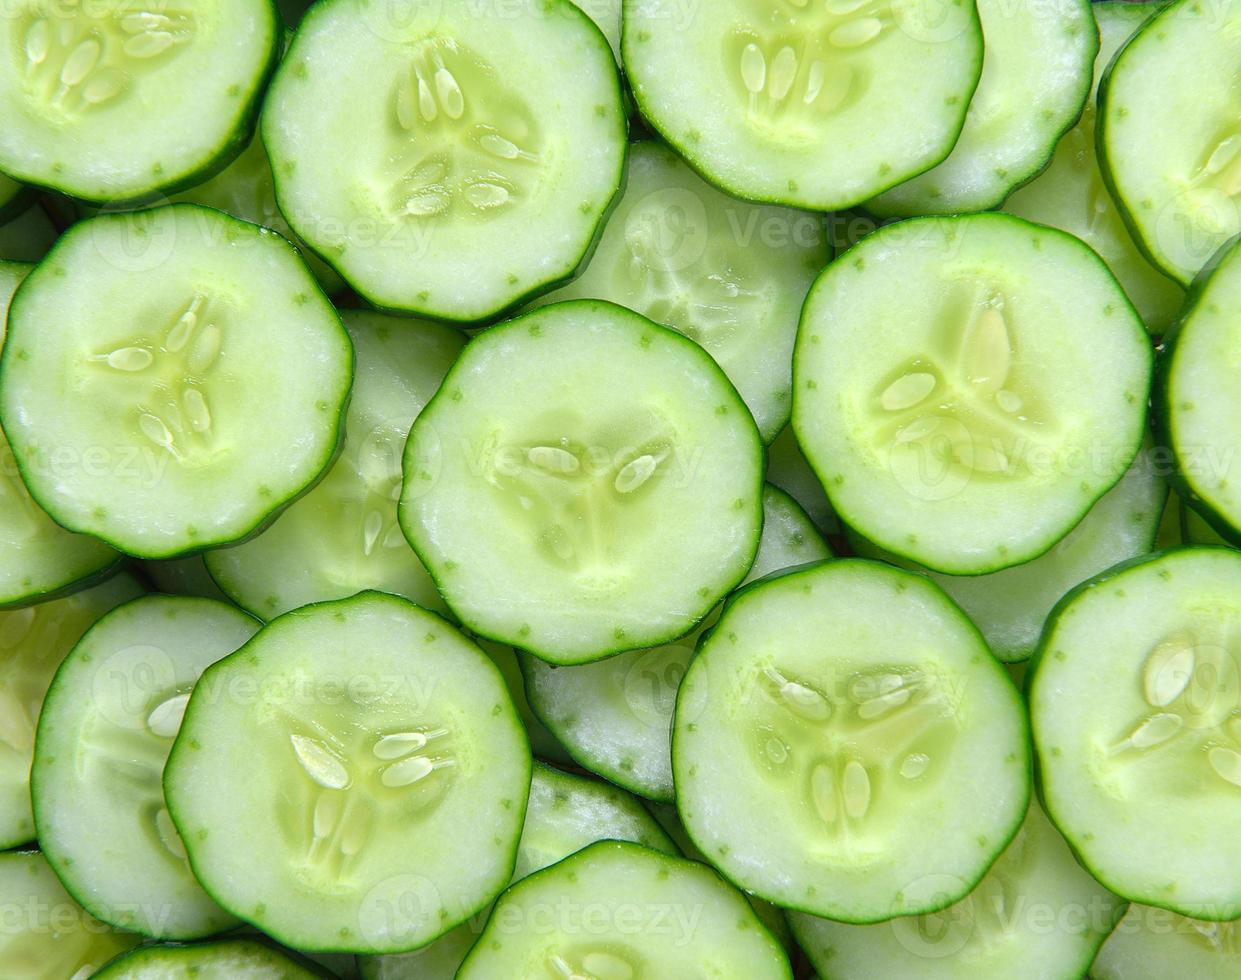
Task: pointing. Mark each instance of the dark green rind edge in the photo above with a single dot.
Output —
(508, 307)
(1101, 143)
(989, 662)
(230, 149)
(1163, 402)
(1015, 184)
(266, 517)
(990, 216)
(1030, 692)
(566, 864)
(36, 597)
(517, 323)
(650, 118)
(119, 968)
(192, 710)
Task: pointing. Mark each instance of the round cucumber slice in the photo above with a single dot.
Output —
(234, 959)
(543, 743)
(615, 716)
(1170, 153)
(180, 345)
(1154, 944)
(607, 17)
(1070, 194)
(1203, 432)
(486, 145)
(1035, 56)
(565, 814)
(968, 420)
(86, 91)
(729, 275)
(830, 738)
(42, 559)
(393, 779)
(343, 536)
(585, 482)
(107, 725)
(649, 914)
(1036, 914)
(47, 935)
(1134, 703)
(33, 642)
(819, 106)
(1010, 606)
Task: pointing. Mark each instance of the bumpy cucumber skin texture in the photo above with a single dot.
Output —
(227, 959)
(1003, 840)
(229, 150)
(1164, 399)
(516, 303)
(181, 746)
(337, 443)
(617, 646)
(1031, 678)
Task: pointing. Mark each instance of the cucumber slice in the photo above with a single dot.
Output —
(1009, 607)
(831, 737)
(818, 106)
(543, 743)
(234, 959)
(585, 482)
(407, 753)
(480, 171)
(86, 92)
(618, 909)
(107, 725)
(607, 17)
(33, 642)
(46, 935)
(179, 347)
(1170, 152)
(1036, 57)
(1070, 194)
(1035, 915)
(343, 536)
(565, 814)
(1154, 944)
(42, 559)
(1202, 433)
(27, 237)
(1133, 701)
(968, 420)
(183, 576)
(787, 469)
(729, 275)
(615, 716)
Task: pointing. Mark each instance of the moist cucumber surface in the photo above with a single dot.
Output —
(565, 814)
(108, 722)
(47, 935)
(1172, 153)
(1070, 193)
(179, 346)
(830, 737)
(969, 419)
(729, 275)
(343, 536)
(819, 106)
(1153, 944)
(33, 642)
(543, 744)
(467, 144)
(235, 959)
(1133, 701)
(651, 916)
(1010, 606)
(584, 482)
(1198, 361)
(1036, 915)
(1037, 56)
(80, 83)
(394, 780)
(615, 716)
